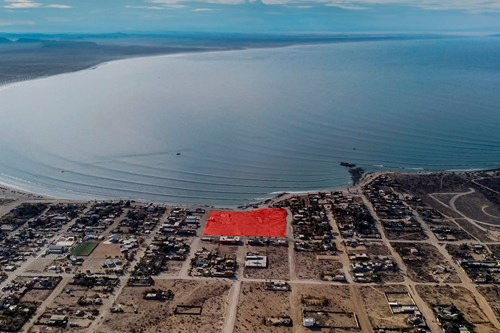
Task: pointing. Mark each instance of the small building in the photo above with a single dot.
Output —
(278, 286)
(58, 320)
(229, 240)
(56, 249)
(7, 228)
(309, 322)
(255, 261)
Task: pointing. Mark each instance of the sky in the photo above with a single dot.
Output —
(247, 16)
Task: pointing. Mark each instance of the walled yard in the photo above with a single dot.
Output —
(214, 260)
(327, 308)
(389, 307)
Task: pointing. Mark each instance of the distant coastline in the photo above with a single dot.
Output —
(31, 58)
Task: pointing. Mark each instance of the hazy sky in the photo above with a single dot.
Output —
(250, 15)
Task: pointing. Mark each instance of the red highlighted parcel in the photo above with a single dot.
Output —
(257, 223)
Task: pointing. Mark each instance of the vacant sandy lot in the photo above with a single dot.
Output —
(40, 264)
(93, 263)
(142, 315)
(310, 266)
(256, 303)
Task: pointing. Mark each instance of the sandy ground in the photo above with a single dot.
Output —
(256, 303)
(310, 266)
(492, 296)
(93, 263)
(377, 307)
(155, 316)
(36, 296)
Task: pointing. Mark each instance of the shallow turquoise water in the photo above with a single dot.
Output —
(251, 123)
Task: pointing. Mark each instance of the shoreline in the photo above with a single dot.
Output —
(20, 194)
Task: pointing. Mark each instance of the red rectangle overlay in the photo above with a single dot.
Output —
(257, 223)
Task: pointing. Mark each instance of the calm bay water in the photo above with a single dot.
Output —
(251, 123)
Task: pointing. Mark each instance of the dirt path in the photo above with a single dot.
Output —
(483, 208)
(486, 187)
(184, 272)
(232, 308)
(291, 262)
(357, 303)
(459, 195)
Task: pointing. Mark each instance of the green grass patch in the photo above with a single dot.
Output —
(84, 249)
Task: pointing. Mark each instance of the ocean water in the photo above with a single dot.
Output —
(229, 128)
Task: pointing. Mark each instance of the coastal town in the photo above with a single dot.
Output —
(410, 253)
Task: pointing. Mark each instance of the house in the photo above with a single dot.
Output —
(7, 228)
(309, 322)
(229, 240)
(255, 261)
(58, 320)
